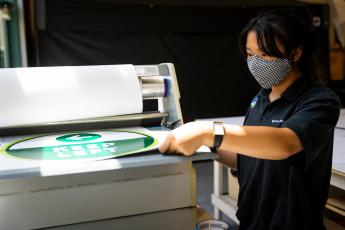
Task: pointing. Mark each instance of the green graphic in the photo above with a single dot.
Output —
(89, 150)
(79, 137)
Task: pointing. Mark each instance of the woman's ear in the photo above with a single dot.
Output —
(297, 53)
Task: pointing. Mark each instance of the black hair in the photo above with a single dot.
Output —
(292, 28)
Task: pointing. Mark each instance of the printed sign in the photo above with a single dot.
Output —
(80, 146)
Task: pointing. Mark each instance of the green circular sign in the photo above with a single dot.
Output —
(81, 146)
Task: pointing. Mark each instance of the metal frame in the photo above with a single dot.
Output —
(222, 203)
(12, 36)
(22, 36)
(5, 62)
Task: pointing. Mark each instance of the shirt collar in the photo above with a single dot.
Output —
(292, 92)
(295, 89)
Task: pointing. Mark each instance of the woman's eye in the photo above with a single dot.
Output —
(249, 55)
(264, 55)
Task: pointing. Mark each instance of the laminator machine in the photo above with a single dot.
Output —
(67, 138)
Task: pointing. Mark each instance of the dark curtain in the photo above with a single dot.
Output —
(201, 43)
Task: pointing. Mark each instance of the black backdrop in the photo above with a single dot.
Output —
(201, 42)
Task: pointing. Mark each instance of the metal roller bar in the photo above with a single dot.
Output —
(153, 87)
(142, 119)
(129, 117)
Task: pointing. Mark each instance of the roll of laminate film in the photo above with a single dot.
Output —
(51, 94)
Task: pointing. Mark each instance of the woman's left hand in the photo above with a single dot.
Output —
(187, 138)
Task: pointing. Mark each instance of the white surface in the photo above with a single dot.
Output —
(339, 144)
(177, 219)
(338, 180)
(50, 94)
(339, 147)
(341, 121)
(67, 200)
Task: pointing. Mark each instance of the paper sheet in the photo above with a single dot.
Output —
(50, 94)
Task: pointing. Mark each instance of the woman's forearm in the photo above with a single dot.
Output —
(259, 141)
(255, 141)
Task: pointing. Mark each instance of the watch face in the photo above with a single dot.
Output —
(218, 128)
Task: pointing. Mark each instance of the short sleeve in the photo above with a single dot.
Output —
(313, 121)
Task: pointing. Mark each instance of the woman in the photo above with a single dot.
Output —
(283, 152)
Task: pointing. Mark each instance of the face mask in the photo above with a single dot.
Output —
(268, 73)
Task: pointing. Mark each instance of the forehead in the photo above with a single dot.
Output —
(252, 43)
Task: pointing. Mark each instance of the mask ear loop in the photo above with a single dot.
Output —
(293, 62)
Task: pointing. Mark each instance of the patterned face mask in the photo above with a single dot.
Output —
(268, 73)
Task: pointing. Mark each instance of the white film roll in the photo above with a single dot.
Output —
(51, 94)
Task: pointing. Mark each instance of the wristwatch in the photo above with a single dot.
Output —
(218, 130)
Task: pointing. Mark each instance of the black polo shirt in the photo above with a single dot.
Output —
(290, 193)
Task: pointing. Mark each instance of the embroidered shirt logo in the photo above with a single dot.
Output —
(253, 103)
(277, 121)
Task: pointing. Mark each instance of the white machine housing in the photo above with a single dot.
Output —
(40, 197)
